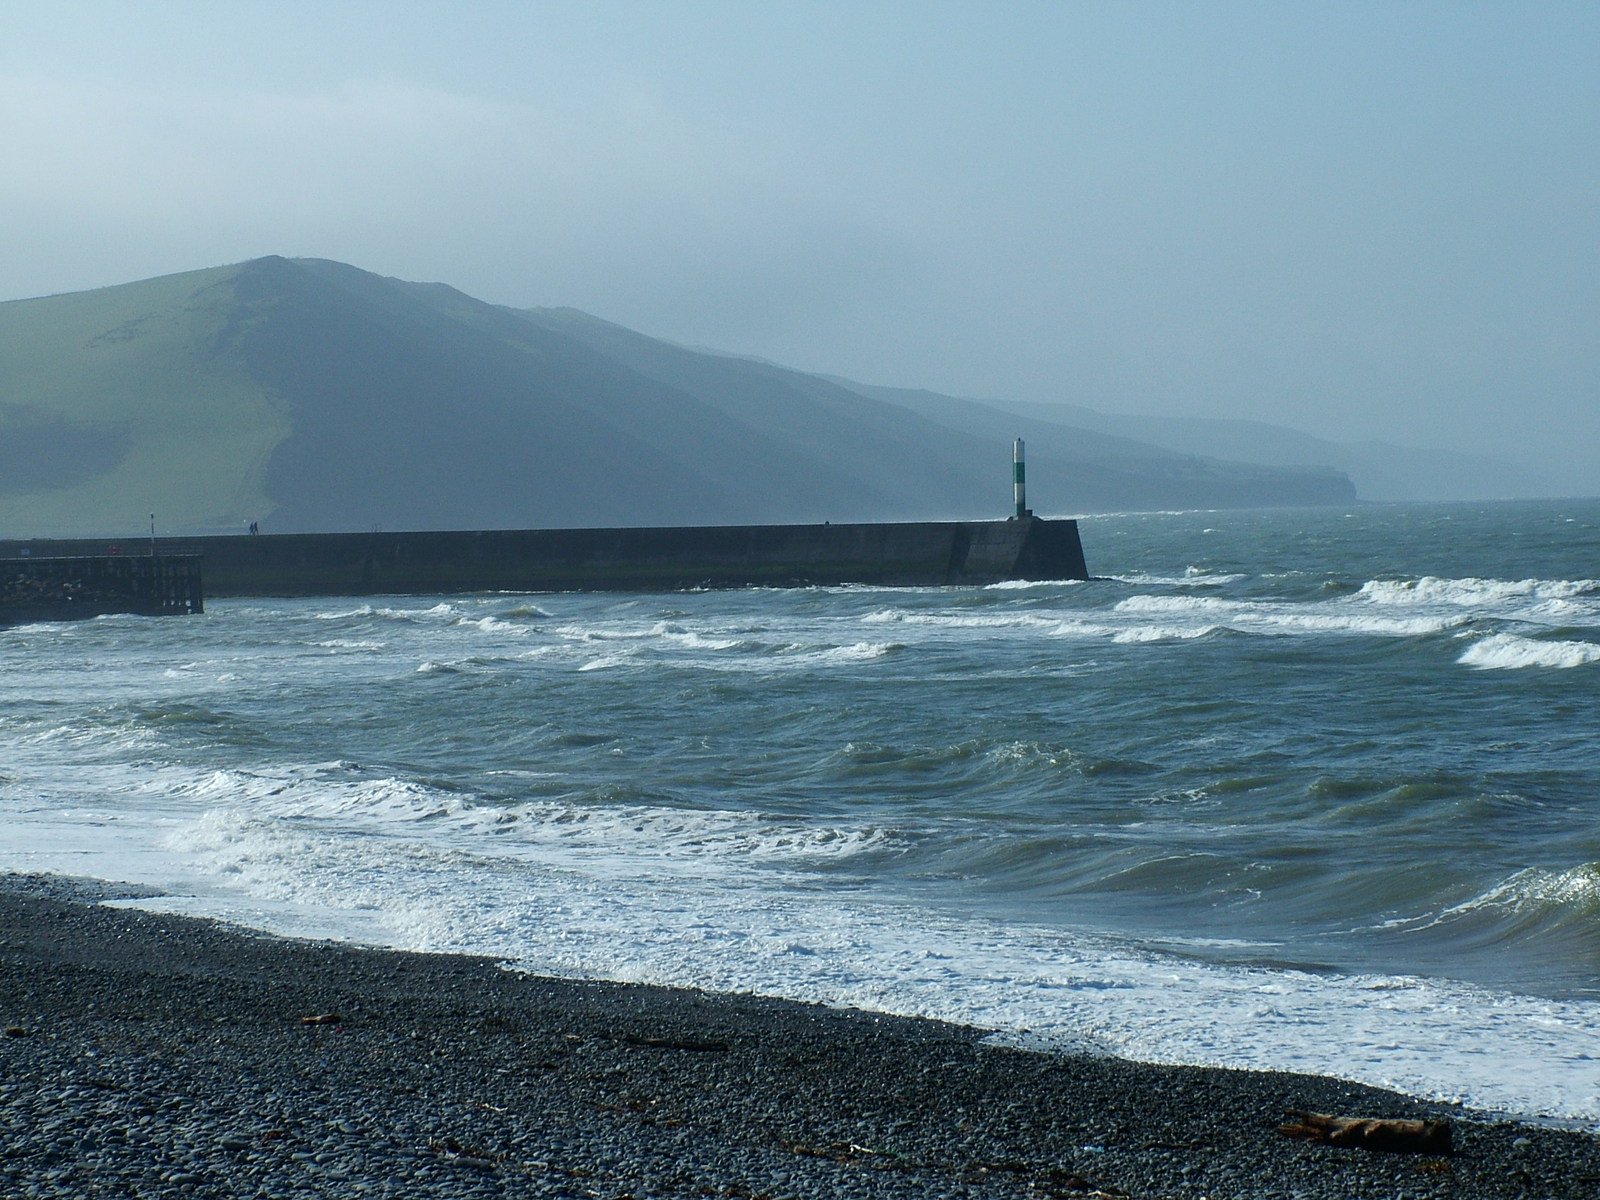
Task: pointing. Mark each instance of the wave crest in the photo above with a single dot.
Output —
(1511, 652)
(1472, 592)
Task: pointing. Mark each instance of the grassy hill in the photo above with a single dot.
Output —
(115, 403)
(311, 395)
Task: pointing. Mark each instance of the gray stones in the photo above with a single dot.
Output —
(173, 1063)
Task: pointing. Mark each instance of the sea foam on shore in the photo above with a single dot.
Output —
(151, 1055)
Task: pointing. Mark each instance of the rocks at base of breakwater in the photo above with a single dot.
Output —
(163, 1056)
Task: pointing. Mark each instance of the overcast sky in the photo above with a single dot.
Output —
(1366, 221)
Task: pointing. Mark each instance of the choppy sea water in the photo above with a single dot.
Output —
(1315, 790)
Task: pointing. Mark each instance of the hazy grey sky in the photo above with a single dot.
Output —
(1363, 220)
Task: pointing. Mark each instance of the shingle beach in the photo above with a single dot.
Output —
(149, 1055)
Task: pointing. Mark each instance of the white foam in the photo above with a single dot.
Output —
(496, 625)
(826, 656)
(1184, 604)
(1545, 601)
(625, 632)
(1192, 573)
(606, 662)
(91, 737)
(1472, 591)
(436, 611)
(610, 840)
(1282, 619)
(1511, 652)
(732, 901)
(616, 917)
(1192, 577)
(958, 620)
(1536, 889)
(1161, 633)
(1028, 585)
(1180, 617)
(698, 641)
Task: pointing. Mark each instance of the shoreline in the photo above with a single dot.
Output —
(161, 1055)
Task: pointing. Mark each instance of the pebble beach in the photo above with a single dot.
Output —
(152, 1055)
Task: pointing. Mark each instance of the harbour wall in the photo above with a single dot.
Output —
(626, 559)
(34, 587)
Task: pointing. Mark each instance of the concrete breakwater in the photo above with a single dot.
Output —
(35, 587)
(625, 559)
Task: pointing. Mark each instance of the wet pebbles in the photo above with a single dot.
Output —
(158, 1056)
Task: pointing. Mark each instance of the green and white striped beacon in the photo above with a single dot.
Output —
(1019, 480)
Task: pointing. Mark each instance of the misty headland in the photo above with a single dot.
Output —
(311, 396)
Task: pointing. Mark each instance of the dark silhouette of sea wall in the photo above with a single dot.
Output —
(38, 588)
(624, 559)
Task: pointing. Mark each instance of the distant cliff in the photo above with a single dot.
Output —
(312, 396)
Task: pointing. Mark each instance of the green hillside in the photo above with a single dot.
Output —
(310, 395)
(116, 403)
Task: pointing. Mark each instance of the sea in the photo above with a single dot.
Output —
(1313, 790)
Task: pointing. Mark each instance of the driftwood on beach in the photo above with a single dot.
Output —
(1369, 1133)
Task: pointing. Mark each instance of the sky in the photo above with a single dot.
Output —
(1367, 221)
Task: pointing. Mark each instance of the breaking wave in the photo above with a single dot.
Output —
(1519, 596)
(1267, 617)
(1512, 652)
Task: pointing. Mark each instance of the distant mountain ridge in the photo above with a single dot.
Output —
(311, 396)
(1380, 470)
(1084, 471)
